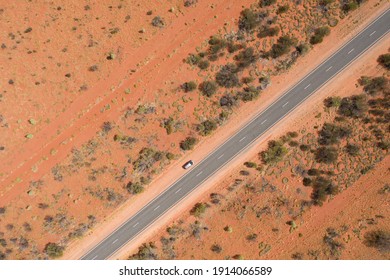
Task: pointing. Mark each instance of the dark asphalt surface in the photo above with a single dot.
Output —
(242, 139)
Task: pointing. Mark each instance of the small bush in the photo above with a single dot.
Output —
(193, 59)
(378, 239)
(216, 248)
(246, 57)
(188, 143)
(354, 106)
(248, 20)
(352, 150)
(148, 251)
(189, 86)
(208, 88)
(134, 188)
(282, 9)
(266, 3)
(93, 68)
(307, 181)
(249, 94)
(205, 128)
(53, 250)
(331, 134)
(227, 76)
(199, 209)
(282, 46)
(322, 187)
(326, 155)
(158, 22)
(319, 35)
(275, 152)
(333, 101)
(189, 3)
(203, 64)
(304, 147)
(374, 85)
(267, 31)
(250, 164)
(384, 60)
(348, 7)
(303, 48)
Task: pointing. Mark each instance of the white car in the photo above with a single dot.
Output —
(188, 164)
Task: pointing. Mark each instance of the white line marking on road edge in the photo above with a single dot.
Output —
(307, 86)
(351, 51)
(156, 208)
(328, 68)
(220, 156)
(242, 138)
(95, 257)
(263, 121)
(135, 225)
(115, 241)
(199, 173)
(372, 33)
(285, 104)
(178, 190)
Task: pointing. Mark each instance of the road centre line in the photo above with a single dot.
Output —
(328, 68)
(351, 51)
(178, 190)
(242, 138)
(285, 104)
(372, 33)
(199, 173)
(220, 156)
(307, 86)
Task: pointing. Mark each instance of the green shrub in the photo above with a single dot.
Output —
(193, 59)
(250, 164)
(282, 46)
(282, 9)
(53, 250)
(333, 101)
(322, 187)
(326, 155)
(331, 134)
(266, 3)
(319, 35)
(378, 239)
(354, 106)
(352, 150)
(199, 209)
(188, 143)
(227, 76)
(303, 48)
(384, 60)
(205, 128)
(374, 85)
(148, 251)
(307, 181)
(352, 5)
(158, 22)
(248, 94)
(203, 64)
(275, 152)
(147, 157)
(189, 86)
(134, 188)
(267, 31)
(248, 21)
(246, 57)
(208, 88)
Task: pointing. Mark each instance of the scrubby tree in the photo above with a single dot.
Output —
(268, 31)
(53, 250)
(227, 77)
(205, 128)
(384, 60)
(354, 106)
(378, 239)
(275, 152)
(189, 86)
(188, 143)
(148, 251)
(199, 209)
(331, 134)
(282, 46)
(208, 88)
(249, 20)
(134, 187)
(266, 3)
(326, 155)
(319, 35)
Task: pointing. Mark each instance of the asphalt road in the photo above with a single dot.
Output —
(242, 139)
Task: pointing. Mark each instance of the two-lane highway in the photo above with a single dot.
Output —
(243, 138)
